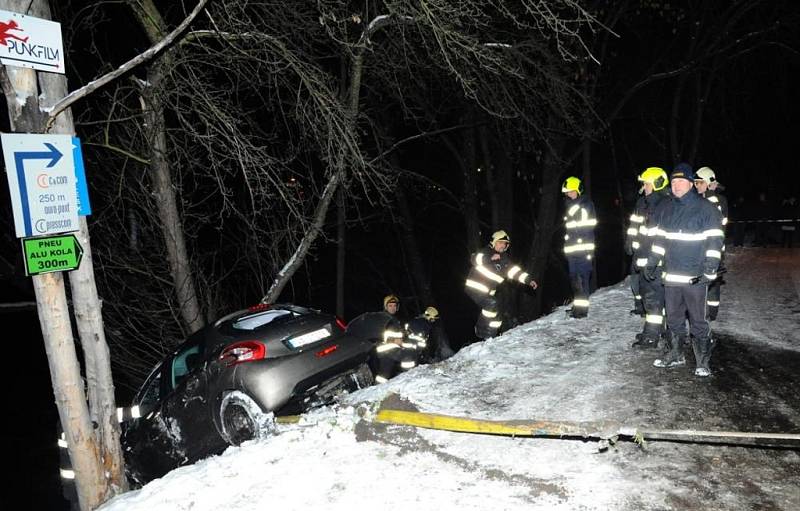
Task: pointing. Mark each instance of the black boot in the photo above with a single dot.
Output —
(673, 356)
(644, 341)
(702, 355)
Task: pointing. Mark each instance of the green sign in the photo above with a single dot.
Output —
(51, 253)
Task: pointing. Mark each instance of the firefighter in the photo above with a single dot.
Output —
(654, 187)
(418, 332)
(580, 221)
(686, 251)
(389, 349)
(634, 233)
(491, 267)
(707, 186)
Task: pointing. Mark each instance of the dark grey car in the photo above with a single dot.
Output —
(223, 385)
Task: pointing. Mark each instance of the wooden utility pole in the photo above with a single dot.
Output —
(90, 426)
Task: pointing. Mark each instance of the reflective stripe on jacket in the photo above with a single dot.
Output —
(647, 229)
(579, 222)
(688, 239)
(485, 274)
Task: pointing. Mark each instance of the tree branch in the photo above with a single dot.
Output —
(89, 88)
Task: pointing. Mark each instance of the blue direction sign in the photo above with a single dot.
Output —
(41, 172)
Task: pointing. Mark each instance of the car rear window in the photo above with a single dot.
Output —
(257, 320)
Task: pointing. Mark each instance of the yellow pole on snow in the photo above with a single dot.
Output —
(601, 430)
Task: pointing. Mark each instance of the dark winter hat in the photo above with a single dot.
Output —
(683, 171)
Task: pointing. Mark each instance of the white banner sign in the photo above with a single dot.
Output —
(31, 42)
(42, 183)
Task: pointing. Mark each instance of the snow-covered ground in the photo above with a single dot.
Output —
(554, 368)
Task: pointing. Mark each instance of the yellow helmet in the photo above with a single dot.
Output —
(390, 299)
(431, 314)
(572, 184)
(656, 176)
(499, 236)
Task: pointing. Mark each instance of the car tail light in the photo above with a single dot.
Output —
(245, 351)
(259, 307)
(341, 324)
(327, 351)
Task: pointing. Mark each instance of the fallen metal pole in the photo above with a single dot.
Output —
(599, 430)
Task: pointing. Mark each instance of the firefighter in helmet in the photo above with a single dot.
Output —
(389, 349)
(654, 190)
(579, 223)
(491, 266)
(705, 181)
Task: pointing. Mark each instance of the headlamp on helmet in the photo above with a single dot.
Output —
(656, 176)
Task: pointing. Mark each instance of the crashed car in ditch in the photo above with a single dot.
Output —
(226, 383)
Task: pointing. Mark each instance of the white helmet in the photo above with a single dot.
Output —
(706, 174)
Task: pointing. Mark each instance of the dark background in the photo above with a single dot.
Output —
(749, 137)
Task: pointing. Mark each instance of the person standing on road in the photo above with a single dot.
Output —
(579, 222)
(491, 266)
(686, 250)
(707, 185)
(654, 184)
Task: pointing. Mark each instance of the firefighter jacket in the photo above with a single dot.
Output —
(579, 221)
(486, 275)
(720, 202)
(646, 208)
(636, 229)
(687, 240)
(392, 338)
(418, 330)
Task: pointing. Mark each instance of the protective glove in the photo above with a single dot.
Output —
(706, 280)
(650, 273)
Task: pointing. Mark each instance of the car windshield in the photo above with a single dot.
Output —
(255, 321)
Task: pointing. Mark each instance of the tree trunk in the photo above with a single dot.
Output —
(466, 157)
(89, 320)
(587, 190)
(499, 179)
(676, 150)
(546, 218)
(702, 91)
(285, 274)
(51, 300)
(420, 276)
(291, 266)
(68, 389)
(341, 254)
(164, 192)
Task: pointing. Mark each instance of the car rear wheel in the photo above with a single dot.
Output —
(242, 419)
